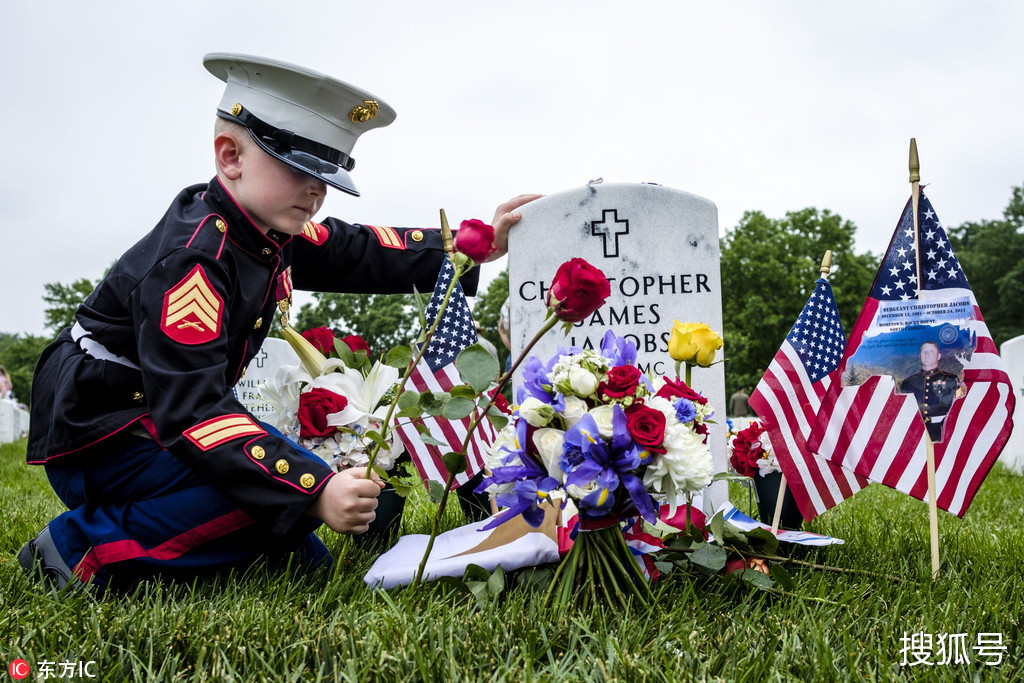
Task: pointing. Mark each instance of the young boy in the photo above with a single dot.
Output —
(134, 418)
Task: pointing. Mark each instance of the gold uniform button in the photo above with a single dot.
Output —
(417, 235)
(281, 466)
(258, 452)
(266, 251)
(307, 480)
(221, 225)
(259, 324)
(138, 396)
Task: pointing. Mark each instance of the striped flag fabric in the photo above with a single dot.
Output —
(788, 397)
(436, 371)
(870, 428)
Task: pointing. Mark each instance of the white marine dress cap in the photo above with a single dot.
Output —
(306, 119)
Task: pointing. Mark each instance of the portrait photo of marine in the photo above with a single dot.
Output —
(934, 388)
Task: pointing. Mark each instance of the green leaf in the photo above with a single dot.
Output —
(711, 556)
(431, 404)
(782, 576)
(475, 572)
(374, 436)
(345, 353)
(728, 476)
(463, 391)
(458, 408)
(763, 541)
(757, 579)
(498, 419)
(409, 404)
(496, 582)
(436, 491)
(454, 463)
(399, 357)
(718, 526)
(477, 367)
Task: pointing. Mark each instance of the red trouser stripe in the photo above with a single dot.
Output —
(119, 551)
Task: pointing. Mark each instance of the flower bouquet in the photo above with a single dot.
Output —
(751, 455)
(335, 402)
(591, 427)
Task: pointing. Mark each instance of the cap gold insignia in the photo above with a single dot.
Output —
(236, 110)
(307, 480)
(364, 112)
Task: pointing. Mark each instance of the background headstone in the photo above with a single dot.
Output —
(659, 249)
(1012, 352)
(273, 354)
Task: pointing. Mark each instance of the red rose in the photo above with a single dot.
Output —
(357, 343)
(647, 427)
(500, 402)
(475, 239)
(322, 338)
(578, 290)
(622, 381)
(747, 450)
(314, 407)
(676, 388)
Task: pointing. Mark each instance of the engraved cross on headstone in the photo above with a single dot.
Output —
(610, 226)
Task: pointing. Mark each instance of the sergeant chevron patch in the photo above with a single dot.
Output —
(388, 236)
(315, 233)
(192, 310)
(219, 430)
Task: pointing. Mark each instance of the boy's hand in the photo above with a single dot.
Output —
(348, 501)
(505, 216)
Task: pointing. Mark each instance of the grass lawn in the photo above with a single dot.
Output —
(277, 627)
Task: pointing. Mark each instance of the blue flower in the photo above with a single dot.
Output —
(685, 410)
(620, 350)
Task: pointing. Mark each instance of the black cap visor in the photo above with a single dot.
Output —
(332, 174)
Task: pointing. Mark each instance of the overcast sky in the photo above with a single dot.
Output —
(757, 105)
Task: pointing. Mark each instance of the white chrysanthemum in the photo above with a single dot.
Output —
(550, 443)
(665, 407)
(686, 466)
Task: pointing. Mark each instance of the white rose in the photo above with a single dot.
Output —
(603, 417)
(582, 381)
(494, 455)
(550, 443)
(536, 412)
(575, 408)
(580, 492)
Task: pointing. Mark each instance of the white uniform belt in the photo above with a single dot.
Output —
(935, 419)
(92, 347)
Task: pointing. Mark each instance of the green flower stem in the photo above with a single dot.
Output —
(478, 416)
(611, 585)
(689, 373)
(386, 424)
(800, 563)
(642, 585)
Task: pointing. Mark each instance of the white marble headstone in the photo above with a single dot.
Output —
(1012, 352)
(659, 249)
(273, 354)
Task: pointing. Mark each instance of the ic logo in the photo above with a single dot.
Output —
(18, 669)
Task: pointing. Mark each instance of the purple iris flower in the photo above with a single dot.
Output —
(619, 350)
(525, 499)
(605, 463)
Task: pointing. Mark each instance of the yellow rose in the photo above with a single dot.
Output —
(694, 343)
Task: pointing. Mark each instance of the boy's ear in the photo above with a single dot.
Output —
(227, 149)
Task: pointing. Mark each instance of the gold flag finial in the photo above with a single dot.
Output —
(826, 264)
(446, 234)
(915, 162)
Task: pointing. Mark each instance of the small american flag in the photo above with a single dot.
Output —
(880, 434)
(787, 399)
(437, 372)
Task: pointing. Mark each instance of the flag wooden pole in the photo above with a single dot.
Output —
(826, 268)
(933, 507)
